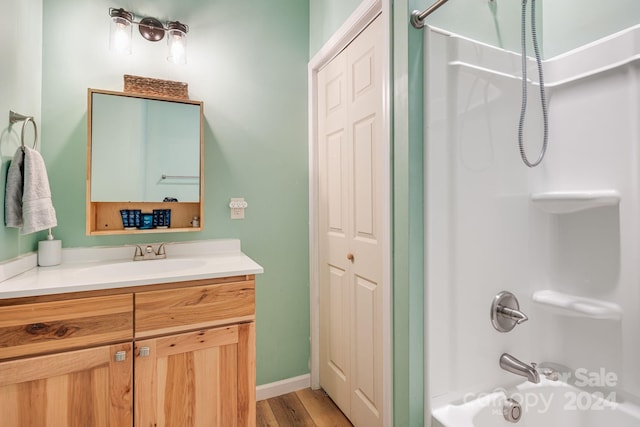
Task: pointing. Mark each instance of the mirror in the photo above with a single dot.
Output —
(144, 164)
(144, 149)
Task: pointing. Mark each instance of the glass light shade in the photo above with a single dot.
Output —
(177, 42)
(120, 35)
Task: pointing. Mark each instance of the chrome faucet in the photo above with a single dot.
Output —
(149, 253)
(515, 366)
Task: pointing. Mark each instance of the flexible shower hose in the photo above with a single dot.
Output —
(523, 110)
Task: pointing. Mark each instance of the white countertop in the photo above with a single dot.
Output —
(86, 269)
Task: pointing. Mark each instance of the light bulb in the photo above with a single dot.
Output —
(177, 43)
(120, 35)
(177, 47)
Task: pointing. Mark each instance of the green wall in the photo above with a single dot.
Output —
(325, 17)
(408, 228)
(247, 60)
(569, 24)
(20, 90)
(562, 25)
(493, 22)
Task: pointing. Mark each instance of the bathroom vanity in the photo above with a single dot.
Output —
(166, 346)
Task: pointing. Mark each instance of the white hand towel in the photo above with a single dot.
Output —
(28, 197)
(38, 212)
(13, 191)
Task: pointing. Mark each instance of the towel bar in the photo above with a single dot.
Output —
(15, 117)
(164, 176)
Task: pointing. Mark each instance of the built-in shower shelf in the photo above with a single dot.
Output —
(571, 305)
(562, 202)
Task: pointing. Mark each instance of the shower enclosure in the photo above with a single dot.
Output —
(564, 237)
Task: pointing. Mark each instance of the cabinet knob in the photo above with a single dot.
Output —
(350, 257)
(120, 356)
(144, 352)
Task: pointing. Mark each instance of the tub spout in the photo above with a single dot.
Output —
(513, 314)
(515, 366)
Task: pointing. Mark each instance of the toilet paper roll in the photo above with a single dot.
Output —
(49, 252)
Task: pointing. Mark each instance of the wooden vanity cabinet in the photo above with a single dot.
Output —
(66, 362)
(196, 379)
(178, 354)
(78, 388)
(190, 371)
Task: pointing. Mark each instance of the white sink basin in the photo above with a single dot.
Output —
(142, 268)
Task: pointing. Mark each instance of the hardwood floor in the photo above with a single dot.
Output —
(301, 408)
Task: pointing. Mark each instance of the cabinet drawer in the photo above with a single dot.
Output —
(174, 310)
(60, 325)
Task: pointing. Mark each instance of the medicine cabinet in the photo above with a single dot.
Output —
(144, 154)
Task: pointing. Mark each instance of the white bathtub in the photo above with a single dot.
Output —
(546, 404)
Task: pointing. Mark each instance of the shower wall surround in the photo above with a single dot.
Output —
(563, 233)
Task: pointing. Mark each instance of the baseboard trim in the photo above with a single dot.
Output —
(278, 388)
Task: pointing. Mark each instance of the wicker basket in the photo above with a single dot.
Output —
(155, 87)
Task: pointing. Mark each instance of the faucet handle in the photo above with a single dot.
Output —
(505, 312)
(512, 313)
(161, 250)
(149, 253)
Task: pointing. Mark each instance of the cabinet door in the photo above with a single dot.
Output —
(90, 387)
(197, 379)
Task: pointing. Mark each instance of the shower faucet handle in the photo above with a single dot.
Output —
(505, 312)
(512, 313)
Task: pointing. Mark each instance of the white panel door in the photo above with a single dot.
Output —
(350, 226)
(333, 174)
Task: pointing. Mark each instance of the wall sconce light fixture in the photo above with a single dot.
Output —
(151, 29)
